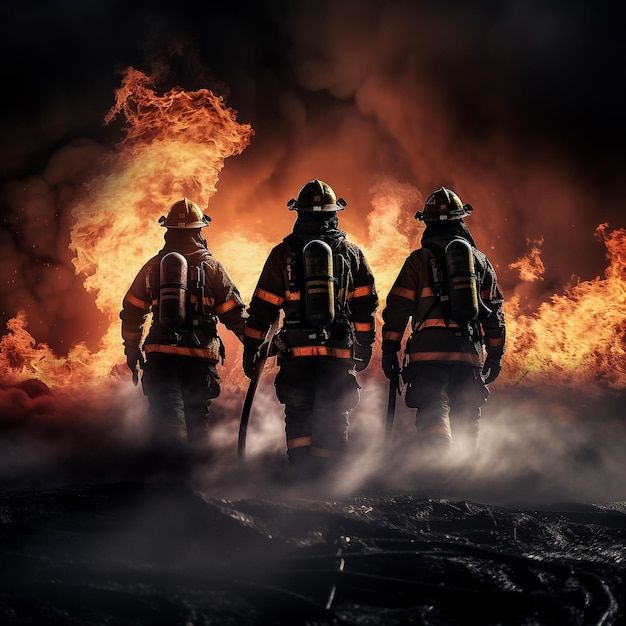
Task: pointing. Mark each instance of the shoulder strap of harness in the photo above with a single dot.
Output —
(438, 276)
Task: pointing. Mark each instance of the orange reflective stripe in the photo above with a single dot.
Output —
(269, 297)
(393, 335)
(435, 322)
(460, 357)
(427, 292)
(322, 452)
(136, 302)
(339, 353)
(299, 442)
(403, 292)
(130, 334)
(363, 327)
(255, 334)
(227, 306)
(436, 430)
(495, 341)
(292, 295)
(359, 292)
(202, 353)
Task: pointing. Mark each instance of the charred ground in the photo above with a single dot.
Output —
(164, 553)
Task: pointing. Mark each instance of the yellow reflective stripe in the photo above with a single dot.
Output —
(269, 297)
(360, 292)
(363, 327)
(299, 442)
(203, 353)
(339, 353)
(136, 302)
(392, 335)
(460, 357)
(495, 341)
(403, 292)
(292, 295)
(435, 322)
(229, 305)
(427, 292)
(255, 334)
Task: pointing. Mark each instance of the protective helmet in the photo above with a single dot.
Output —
(443, 204)
(316, 196)
(184, 214)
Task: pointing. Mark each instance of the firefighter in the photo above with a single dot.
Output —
(325, 288)
(448, 288)
(188, 291)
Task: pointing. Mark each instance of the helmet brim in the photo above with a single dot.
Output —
(324, 208)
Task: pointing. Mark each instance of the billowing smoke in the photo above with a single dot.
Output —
(384, 101)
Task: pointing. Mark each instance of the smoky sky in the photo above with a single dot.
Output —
(480, 96)
(544, 73)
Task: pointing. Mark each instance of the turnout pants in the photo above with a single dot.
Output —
(318, 394)
(179, 390)
(448, 399)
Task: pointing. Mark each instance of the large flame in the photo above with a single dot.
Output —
(175, 144)
(578, 337)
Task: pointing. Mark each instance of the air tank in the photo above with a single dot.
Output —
(173, 291)
(462, 282)
(319, 284)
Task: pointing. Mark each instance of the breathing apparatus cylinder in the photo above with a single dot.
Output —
(462, 281)
(319, 284)
(173, 291)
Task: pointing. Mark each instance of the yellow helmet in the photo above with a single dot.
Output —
(184, 214)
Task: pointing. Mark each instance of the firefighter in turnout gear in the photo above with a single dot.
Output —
(325, 288)
(188, 291)
(449, 290)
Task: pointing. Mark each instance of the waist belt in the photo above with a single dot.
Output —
(338, 353)
(210, 352)
(437, 322)
(458, 357)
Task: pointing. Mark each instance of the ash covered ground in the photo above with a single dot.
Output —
(165, 553)
(100, 530)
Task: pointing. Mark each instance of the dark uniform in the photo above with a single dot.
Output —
(443, 358)
(316, 381)
(180, 376)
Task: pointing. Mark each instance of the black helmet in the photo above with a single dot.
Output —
(184, 214)
(443, 204)
(316, 196)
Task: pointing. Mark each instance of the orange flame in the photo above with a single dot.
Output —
(530, 266)
(175, 144)
(579, 337)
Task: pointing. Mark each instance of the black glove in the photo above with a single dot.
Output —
(250, 356)
(133, 357)
(492, 367)
(391, 364)
(363, 354)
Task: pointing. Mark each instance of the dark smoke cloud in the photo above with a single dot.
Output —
(513, 104)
